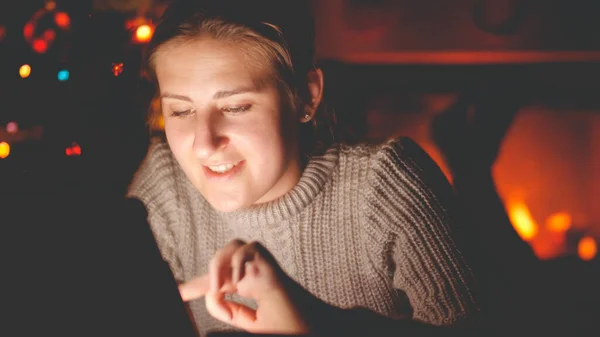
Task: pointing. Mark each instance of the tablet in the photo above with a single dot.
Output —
(84, 264)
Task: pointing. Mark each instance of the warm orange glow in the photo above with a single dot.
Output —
(161, 122)
(471, 57)
(157, 122)
(438, 158)
(559, 222)
(135, 22)
(143, 33)
(4, 150)
(117, 69)
(522, 221)
(40, 46)
(28, 30)
(50, 5)
(538, 139)
(49, 35)
(25, 71)
(547, 248)
(62, 20)
(587, 248)
(73, 150)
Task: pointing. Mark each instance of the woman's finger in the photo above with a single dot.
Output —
(246, 287)
(230, 312)
(217, 306)
(242, 316)
(239, 259)
(195, 288)
(220, 265)
(261, 280)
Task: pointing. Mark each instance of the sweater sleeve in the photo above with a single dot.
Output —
(152, 185)
(410, 200)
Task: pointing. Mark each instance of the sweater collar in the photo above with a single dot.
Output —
(316, 173)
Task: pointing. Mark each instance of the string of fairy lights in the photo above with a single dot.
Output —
(41, 31)
(41, 39)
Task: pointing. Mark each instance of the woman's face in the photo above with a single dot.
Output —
(226, 123)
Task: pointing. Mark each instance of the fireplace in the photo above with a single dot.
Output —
(544, 170)
(545, 175)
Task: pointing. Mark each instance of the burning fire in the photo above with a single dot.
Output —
(587, 248)
(549, 241)
(522, 221)
(558, 222)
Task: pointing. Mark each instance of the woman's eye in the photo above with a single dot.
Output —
(236, 109)
(181, 113)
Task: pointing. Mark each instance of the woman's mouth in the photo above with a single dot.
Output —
(221, 168)
(223, 171)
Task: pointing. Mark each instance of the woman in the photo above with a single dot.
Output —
(252, 203)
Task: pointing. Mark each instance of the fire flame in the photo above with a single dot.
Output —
(547, 243)
(522, 221)
(587, 248)
(559, 222)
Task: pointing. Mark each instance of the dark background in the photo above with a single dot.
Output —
(365, 48)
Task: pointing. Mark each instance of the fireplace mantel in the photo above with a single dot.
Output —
(467, 57)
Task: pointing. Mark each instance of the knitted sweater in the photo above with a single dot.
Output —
(366, 226)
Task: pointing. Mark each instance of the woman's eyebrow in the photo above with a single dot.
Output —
(218, 95)
(175, 96)
(227, 93)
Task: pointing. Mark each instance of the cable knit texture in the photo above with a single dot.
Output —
(365, 226)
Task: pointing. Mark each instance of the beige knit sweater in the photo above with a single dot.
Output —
(364, 227)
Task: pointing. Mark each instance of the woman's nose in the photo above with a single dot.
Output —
(208, 139)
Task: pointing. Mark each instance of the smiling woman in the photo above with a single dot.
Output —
(216, 117)
(248, 188)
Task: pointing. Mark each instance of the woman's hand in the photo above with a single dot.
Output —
(252, 272)
(284, 307)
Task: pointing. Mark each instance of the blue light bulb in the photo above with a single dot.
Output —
(63, 75)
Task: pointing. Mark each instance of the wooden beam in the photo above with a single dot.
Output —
(471, 57)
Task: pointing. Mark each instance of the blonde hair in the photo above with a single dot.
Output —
(276, 31)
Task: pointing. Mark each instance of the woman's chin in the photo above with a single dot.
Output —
(227, 205)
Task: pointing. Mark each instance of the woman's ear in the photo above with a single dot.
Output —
(315, 89)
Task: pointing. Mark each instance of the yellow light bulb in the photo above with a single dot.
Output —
(4, 150)
(25, 71)
(143, 33)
